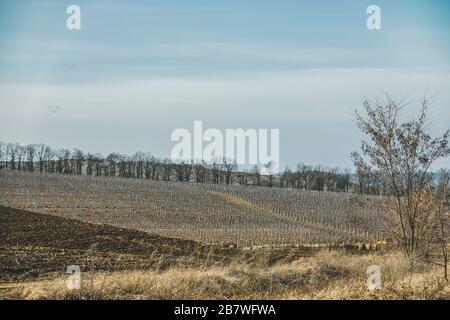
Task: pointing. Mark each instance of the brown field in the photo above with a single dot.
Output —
(125, 264)
(211, 214)
(34, 245)
(157, 240)
(37, 245)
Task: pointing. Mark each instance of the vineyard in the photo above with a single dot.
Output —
(212, 214)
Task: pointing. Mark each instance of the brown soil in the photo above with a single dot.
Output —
(34, 245)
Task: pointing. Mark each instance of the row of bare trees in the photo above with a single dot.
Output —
(317, 178)
(142, 165)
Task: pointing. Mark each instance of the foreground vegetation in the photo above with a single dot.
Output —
(327, 275)
(116, 263)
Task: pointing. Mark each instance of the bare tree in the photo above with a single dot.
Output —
(30, 154)
(138, 160)
(150, 166)
(344, 183)
(90, 159)
(183, 171)
(11, 152)
(215, 168)
(256, 176)
(3, 155)
(304, 177)
(400, 153)
(78, 159)
(98, 164)
(66, 154)
(167, 169)
(242, 177)
(331, 179)
(432, 228)
(41, 153)
(155, 163)
(20, 152)
(438, 237)
(444, 183)
(201, 172)
(112, 159)
(229, 167)
(269, 171)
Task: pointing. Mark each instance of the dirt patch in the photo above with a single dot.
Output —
(34, 245)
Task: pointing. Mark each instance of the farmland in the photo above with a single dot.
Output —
(134, 239)
(35, 250)
(207, 213)
(35, 245)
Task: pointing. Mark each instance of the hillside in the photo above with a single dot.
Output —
(208, 213)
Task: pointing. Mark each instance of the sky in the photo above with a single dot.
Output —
(138, 70)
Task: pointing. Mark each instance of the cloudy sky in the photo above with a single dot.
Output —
(138, 70)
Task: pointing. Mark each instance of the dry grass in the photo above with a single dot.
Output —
(327, 275)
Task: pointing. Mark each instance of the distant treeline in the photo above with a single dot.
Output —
(141, 165)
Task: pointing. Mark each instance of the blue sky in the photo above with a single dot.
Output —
(138, 70)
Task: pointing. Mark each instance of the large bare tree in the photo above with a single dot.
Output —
(400, 152)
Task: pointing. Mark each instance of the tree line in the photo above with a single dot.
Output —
(42, 158)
